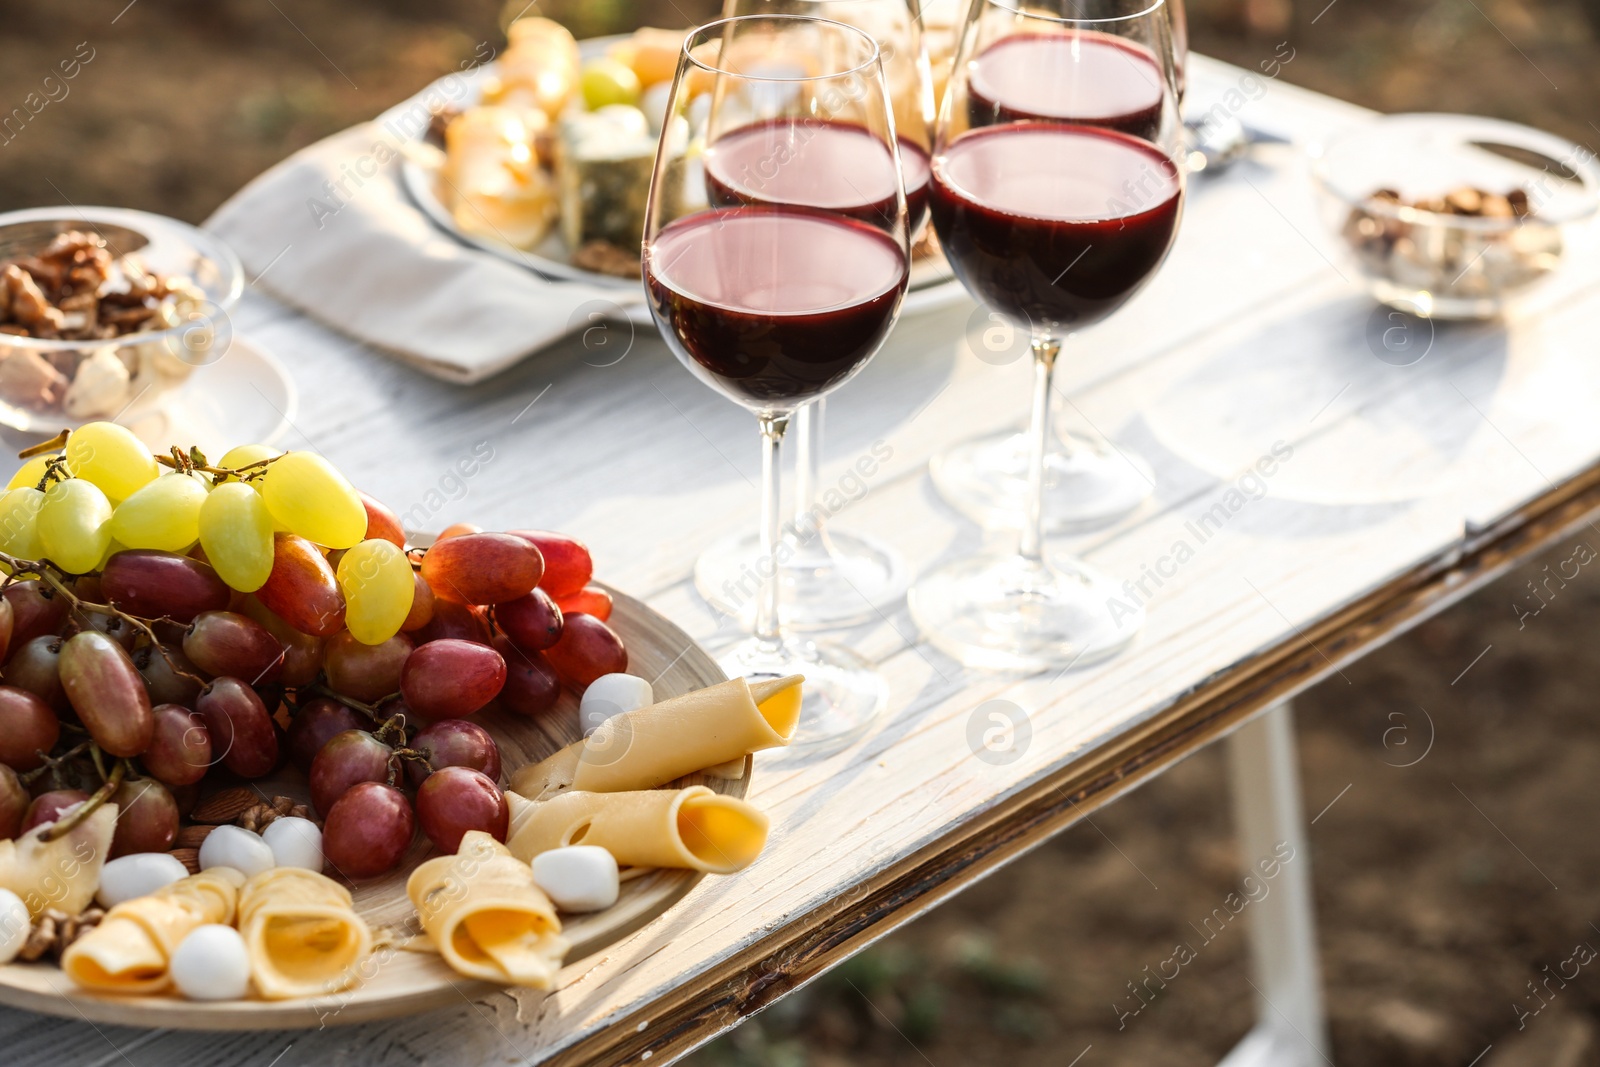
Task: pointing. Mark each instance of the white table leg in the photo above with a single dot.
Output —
(1290, 1029)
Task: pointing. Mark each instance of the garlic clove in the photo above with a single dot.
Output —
(137, 875)
(295, 842)
(236, 847)
(15, 923)
(577, 878)
(212, 963)
(612, 694)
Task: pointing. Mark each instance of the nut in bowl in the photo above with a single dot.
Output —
(105, 311)
(1454, 216)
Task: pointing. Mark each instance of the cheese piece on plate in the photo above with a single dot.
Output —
(131, 950)
(63, 873)
(304, 935)
(493, 178)
(486, 916)
(654, 745)
(693, 828)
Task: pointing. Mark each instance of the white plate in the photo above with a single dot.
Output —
(244, 397)
(932, 284)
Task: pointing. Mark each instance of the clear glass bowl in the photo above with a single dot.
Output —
(1452, 216)
(47, 384)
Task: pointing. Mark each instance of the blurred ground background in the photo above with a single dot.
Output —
(1434, 918)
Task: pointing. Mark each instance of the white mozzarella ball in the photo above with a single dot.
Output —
(577, 878)
(295, 842)
(612, 694)
(137, 875)
(212, 963)
(15, 922)
(236, 847)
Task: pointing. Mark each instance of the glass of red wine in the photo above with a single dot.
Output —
(1056, 194)
(1088, 482)
(776, 257)
(833, 577)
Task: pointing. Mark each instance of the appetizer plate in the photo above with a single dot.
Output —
(404, 976)
(932, 283)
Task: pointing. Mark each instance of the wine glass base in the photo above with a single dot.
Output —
(1004, 612)
(842, 696)
(1089, 485)
(842, 579)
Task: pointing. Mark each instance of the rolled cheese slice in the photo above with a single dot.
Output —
(130, 950)
(694, 827)
(303, 933)
(654, 745)
(63, 873)
(486, 916)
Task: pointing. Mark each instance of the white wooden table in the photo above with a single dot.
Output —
(1407, 487)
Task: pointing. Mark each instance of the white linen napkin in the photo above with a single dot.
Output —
(331, 231)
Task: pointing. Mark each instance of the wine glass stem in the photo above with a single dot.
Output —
(1045, 350)
(807, 477)
(768, 636)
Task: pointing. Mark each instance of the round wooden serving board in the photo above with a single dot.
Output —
(399, 981)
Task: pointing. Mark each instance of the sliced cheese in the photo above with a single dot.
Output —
(129, 952)
(486, 916)
(304, 936)
(693, 828)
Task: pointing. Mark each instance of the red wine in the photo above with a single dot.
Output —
(774, 306)
(838, 167)
(1082, 77)
(1052, 224)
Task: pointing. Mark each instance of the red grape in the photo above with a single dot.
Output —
(454, 743)
(421, 604)
(457, 799)
(482, 568)
(28, 726)
(110, 625)
(36, 667)
(383, 523)
(458, 621)
(180, 748)
(456, 530)
(151, 584)
(366, 672)
(368, 831)
(35, 611)
(243, 735)
(107, 693)
(165, 684)
(590, 600)
(147, 817)
(301, 589)
(302, 653)
(532, 687)
(13, 803)
(227, 643)
(6, 617)
(567, 563)
(47, 807)
(350, 757)
(314, 725)
(449, 679)
(532, 621)
(588, 648)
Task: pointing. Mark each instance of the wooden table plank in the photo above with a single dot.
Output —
(1248, 337)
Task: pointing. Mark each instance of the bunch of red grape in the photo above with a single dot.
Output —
(165, 632)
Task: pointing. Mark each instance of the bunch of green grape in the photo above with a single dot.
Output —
(168, 624)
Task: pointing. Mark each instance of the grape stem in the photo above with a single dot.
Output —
(369, 710)
(43, 567)
(57, 442)
(51, 763)
(249, 472)
(66, 823)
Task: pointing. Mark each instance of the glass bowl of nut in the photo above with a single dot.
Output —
(1453, 216)
(104, 312)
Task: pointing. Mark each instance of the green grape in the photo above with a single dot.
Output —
(31, 471)
(375, 577)
(164, 514)
(75, 524)
(112, 548)
(236, 532)
(306, 494)
(243, 456)
(111, 457)
(19, 523)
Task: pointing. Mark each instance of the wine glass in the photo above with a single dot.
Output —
(1056, 194)
(771, 299)
(1088, 481)
(832, 577)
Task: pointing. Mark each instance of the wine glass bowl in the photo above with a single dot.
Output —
(1056, 193)
(776, 257)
